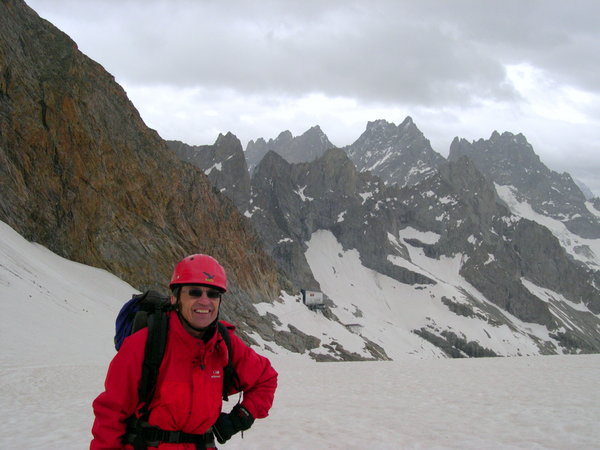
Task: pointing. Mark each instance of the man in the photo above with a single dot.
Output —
(187, 400)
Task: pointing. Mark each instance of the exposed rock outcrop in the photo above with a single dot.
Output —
(508, 159)
(223, 163)
(83, 175)
(399, 155)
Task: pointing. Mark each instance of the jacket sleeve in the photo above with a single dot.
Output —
(258, 379)
(120, 397)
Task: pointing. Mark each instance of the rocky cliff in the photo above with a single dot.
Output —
(224, 164)
(82, 174)
(508, 159)
(397, 154)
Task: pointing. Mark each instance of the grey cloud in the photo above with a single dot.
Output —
(444, 57)
(427, 52)
(383, 53)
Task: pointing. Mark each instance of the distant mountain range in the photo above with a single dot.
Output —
(307, 147)
(526, 239)
(484, 253)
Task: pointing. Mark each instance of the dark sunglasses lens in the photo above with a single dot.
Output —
(198, 293)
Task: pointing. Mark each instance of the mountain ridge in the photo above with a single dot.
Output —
(462, 206)
(304, 148)
(508, 159)
(431, 256)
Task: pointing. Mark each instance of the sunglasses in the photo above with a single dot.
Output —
(210, 293)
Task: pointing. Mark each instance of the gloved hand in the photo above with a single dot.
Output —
(239, 419)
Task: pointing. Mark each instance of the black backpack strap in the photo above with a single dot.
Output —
(156, 343)
(158, 327)
(230, 376)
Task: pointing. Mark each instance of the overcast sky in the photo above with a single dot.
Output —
(463, 68)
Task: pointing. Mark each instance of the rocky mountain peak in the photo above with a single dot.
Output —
(223, 163)
(285, 137)
(272, 162)
(378, 125)
(510, 160)
(258, 141)
(383, 127)
(304, 148)
(398, 154)
(463, 175)
(315, 136)
(228, 140)
(508, 149)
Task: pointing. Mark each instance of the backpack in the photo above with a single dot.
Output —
(149, 310)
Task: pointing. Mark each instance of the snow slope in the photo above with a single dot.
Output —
(389, 311)
(57, 328)
(584, 250)
(47, 301)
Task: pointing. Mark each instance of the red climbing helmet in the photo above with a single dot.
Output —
(199, 269)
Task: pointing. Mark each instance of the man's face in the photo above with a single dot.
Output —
(199, 305)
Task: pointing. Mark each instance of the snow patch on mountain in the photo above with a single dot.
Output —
(217, 166)
(390, 311)
(558, 301)
(290, 310)
(584, 250)
(302, 195)
(592, 209)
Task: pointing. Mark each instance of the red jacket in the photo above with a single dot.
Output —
(189, 386)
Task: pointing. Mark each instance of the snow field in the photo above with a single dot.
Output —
(57, 328)
(550, 402)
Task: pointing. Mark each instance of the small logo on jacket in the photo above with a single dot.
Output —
(216, 374)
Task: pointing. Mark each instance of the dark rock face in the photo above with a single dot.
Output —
(81, 173)
(305, 148)
(501, 252)
(508, 159)
(223, 163)
(397, 154)
(291, 201)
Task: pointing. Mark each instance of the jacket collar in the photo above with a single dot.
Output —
(178, 330)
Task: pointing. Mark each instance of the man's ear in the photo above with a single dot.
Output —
(173, 300)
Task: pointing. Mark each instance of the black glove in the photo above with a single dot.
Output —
(239, 419)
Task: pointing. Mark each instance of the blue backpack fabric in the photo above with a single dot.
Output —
(133, 315)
